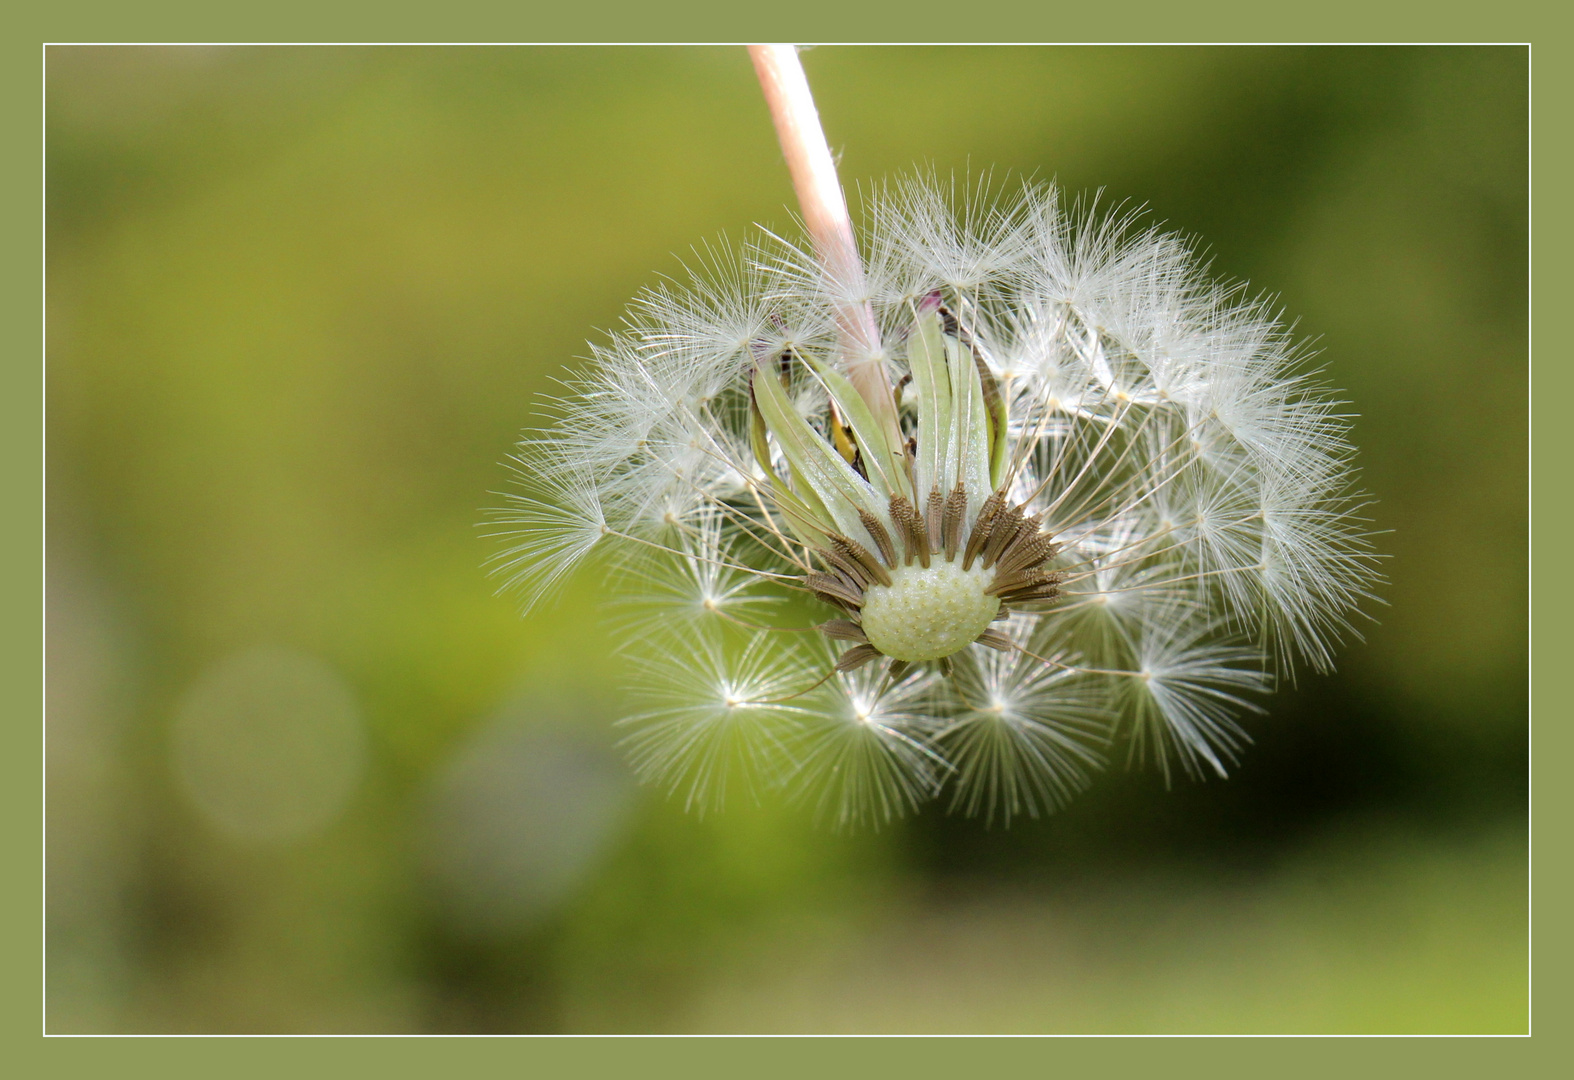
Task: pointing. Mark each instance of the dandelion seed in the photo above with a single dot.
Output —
(1045, 484)
(1027, 733)
(868, 753)
(716, 722)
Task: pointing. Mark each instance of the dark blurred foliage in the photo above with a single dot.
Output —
(300, 301)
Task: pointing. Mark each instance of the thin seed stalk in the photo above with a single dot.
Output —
(824, 208)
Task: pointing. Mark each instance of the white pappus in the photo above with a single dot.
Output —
(1031, 488)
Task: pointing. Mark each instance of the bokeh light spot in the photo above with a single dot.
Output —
(517, 819)
(268, 745)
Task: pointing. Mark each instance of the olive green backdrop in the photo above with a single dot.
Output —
(306, 772)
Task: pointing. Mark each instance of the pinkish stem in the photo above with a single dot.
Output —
(825, 214)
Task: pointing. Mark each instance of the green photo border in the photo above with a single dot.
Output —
(291, 20)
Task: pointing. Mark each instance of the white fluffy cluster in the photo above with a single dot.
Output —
(1196, 482)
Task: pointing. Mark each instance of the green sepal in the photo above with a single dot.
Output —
(886, 463)
(757, 434)
(803, 522)
(926, 360)
(807, 524)
(995, 404)
(840, 490)
(970, 423)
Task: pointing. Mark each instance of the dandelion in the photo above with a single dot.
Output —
(957, 503)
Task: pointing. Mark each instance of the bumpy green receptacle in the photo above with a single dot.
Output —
(929, 612)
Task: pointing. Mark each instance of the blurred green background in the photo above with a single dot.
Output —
(308, 774)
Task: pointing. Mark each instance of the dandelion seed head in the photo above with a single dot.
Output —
(1034, 489)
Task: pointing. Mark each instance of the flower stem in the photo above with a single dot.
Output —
(825, 215)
